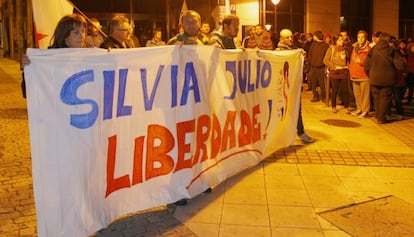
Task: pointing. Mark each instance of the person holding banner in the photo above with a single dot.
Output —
(70, 32)
(225, 38)
(191, 23)
(120, 33)
(286, 43)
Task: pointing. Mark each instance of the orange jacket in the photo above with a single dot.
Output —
(356, 64)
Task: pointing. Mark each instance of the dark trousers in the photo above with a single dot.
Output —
(317, 75)
(343, 85)
(410, 86)
(300, 128)
(382, 99)
(398, 97)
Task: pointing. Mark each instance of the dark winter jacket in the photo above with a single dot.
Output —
(382, 64)
(112, 43)
(316, 54)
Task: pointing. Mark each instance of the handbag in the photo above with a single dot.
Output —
(339, 74)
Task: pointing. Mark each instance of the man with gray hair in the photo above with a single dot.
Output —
(120, 33)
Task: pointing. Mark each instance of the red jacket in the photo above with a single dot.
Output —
(356, 65)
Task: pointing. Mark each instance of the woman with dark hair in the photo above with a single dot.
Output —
(336, 60)
(70, 32)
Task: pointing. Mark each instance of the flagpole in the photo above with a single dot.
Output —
(183, 9)
(168, 20)
(86, 17)
(227, 7)
(131, 13)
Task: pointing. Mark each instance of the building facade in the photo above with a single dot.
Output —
(331, 16)
(381, 15)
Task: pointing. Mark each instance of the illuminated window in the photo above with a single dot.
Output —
(290, 14)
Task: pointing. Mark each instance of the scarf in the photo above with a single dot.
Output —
(339, 48)
(361, 47)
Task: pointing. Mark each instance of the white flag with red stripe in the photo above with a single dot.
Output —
(47, 14)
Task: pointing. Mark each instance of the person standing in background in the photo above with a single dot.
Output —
(249, 42)
(359, 78)
(120, 33)
(226, 37)
(132, 40)
(262, 38)
(348, 47)
(410, 76)
(306, 73)
(375, 38)
(336, 60)
(94, 39)
(327, 38)
(266, 42)
(191, 23)
(156, 39)
(381, 66)
(205, 33)
(316, 54)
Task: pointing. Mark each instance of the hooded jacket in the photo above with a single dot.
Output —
(382, 63)
(316, 53)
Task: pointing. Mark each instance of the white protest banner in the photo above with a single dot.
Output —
(118, 132)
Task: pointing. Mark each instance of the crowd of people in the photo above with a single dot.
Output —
(337, 70)
(362, 76)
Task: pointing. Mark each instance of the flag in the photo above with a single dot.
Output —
(47, 14)
(183, 9)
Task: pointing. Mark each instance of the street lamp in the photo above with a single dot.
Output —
(275, 2)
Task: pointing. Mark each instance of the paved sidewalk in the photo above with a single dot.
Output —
(352, 160)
